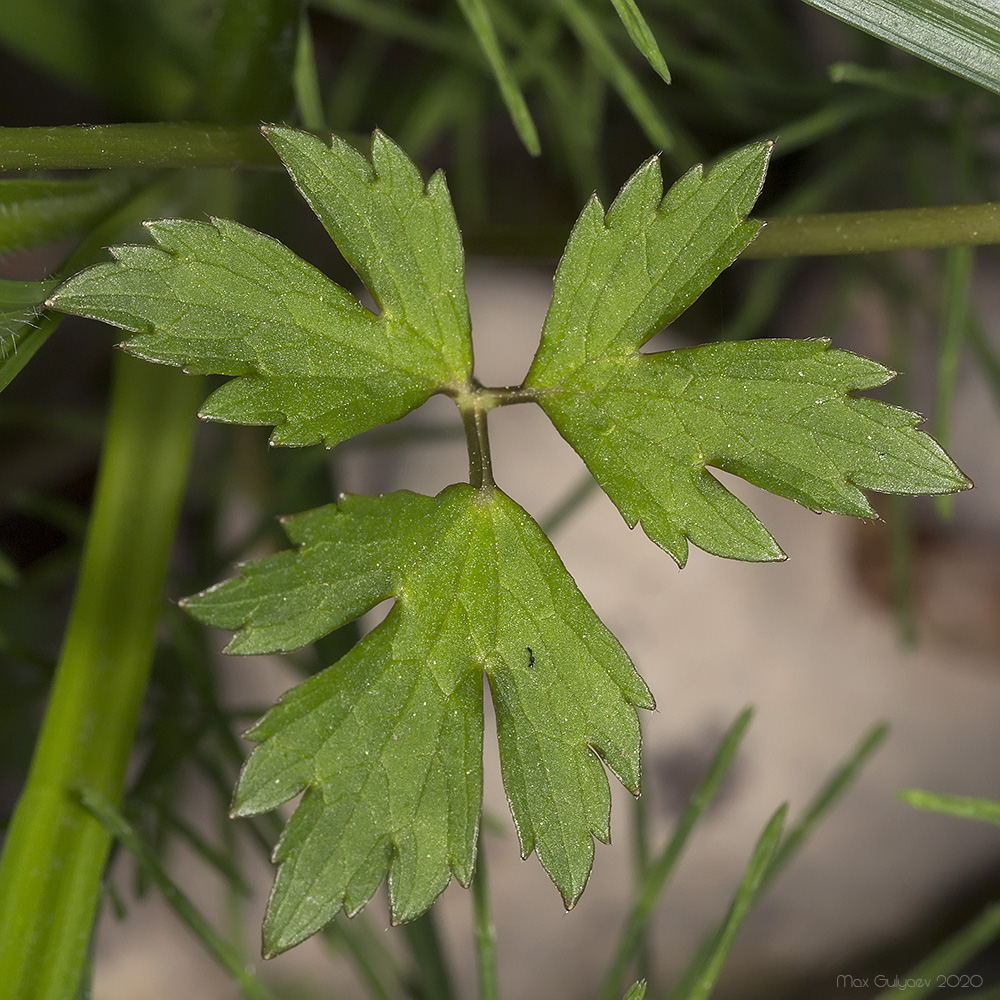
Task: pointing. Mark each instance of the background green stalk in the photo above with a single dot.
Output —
(55, 851)
(152, 144)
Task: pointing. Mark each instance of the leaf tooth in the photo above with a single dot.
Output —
(639, 198)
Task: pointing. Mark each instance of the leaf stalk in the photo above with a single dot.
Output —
(477, 437)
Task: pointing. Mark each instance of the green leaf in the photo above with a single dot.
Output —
(641, 35)
(637, 991)
(965, 806)
(962, 36)
(776, 413)
(478, 15)
(308, 357)
(387, 743)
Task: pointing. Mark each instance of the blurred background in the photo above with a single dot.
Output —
(897, 621)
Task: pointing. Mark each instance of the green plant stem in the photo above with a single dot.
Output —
(478, 440)
(190, 144)
(115, 824)
(958, 269)
(485, 932)
(425, 946)
(640, 860)
(55, 851)
(818, 235)
(871, 232)
(373, 962)
(158, 144)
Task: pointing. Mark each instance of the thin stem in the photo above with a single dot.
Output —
(658, 871)
(507, 395)
(55, 852)
(478, 440)
(640, 842)
(485, 932)
(818, 235)
(101, 808)
(871, 232)
(157, 144)
(958, 269)
(425, 946)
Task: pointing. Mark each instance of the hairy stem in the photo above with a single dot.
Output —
(55, 851)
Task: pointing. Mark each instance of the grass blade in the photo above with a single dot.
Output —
(637, 991)
(965, 806)
(592, 38)
(699, 979)
(639, 31)
(478, 16)
(305, 80)
(102, 809)
(24, 327)
(923, 980)
(827, 796)
(961, 36)
(660, 869)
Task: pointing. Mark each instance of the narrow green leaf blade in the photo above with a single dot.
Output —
(637, 991)
(478, 15)
(827, 797)
(641, 35)
(965, 806)
(230, 958)
(387, 743)
(967, 942)
(776, 413)
(658, 872)
(699, 979)
(592, 39)
(34, 211)
(962, 36)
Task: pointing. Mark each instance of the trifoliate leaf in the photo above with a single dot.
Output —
(776, 413)
(309, 358)
(387, 742)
